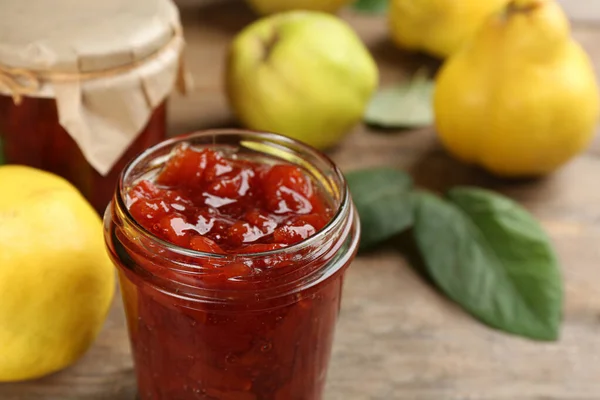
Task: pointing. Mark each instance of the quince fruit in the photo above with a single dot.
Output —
(304, 74)
(522, 98)
(438, 27)
(56, 279)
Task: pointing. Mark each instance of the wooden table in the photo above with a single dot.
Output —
(397, 337)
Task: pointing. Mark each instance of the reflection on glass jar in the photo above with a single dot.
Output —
(199, 330)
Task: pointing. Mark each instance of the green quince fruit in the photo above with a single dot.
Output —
(304, 74)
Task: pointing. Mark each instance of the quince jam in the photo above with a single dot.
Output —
(206, 202)
(245, 306)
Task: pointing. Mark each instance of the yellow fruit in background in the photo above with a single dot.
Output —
(265, 7)
(304, 74)
(56, 280)
(438, 27)
(522, 98)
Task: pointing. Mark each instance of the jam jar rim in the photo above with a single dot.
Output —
(343, 207)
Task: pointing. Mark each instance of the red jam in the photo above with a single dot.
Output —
(239, 348)
(206, 202)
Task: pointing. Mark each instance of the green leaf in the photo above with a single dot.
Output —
(383, 199)
(490, 256)
(371, 6)
(407, 105)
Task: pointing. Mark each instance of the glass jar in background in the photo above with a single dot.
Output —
(264, 337)
(83, 85)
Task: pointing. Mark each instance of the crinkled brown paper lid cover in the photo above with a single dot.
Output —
(108, 64)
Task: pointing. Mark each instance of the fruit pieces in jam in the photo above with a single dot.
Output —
(206, 201)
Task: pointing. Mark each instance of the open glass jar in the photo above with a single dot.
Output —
(196, 334)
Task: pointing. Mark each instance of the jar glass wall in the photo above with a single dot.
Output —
(195, 335)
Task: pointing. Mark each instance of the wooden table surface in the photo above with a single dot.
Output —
(397, 337)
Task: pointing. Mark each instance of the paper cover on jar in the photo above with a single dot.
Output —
(107, 63)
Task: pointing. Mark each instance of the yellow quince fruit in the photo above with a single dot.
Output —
(56, 280)
(438, 27)
(522, 98)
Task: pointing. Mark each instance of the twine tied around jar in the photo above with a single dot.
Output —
(20, 82)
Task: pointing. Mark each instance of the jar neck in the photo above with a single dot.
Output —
(192, 274)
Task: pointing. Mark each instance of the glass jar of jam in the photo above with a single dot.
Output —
(231, 248)
(84, 85)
